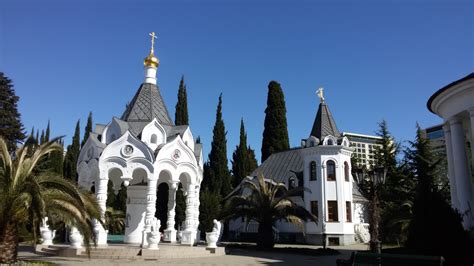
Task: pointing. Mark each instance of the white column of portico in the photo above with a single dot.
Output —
(150, 209)
(196, 207)
(101, 195)
(451, 175)
(170, 232)
(190, 195)
(471, 115)
(461, 169)
(189, 234)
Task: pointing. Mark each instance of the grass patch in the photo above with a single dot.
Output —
(300, 251)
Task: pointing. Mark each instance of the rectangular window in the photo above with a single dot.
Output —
(332, 211)
(348, 212)
(312, 171)
(314, 208)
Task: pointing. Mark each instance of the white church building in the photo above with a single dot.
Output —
(142, 149)
(323, 165)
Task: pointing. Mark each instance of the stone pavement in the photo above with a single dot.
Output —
(236, 257)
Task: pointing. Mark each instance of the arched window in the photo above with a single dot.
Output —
(330, 142)
(331, 170)
(153, 139)
(312, 170)
(346, 172)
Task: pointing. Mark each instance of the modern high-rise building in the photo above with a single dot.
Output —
(364, 147)
(436, 136)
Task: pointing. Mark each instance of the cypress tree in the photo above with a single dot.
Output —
(243, 158)
(87, 129)
(275, 132)
(47, 134)
(219, 173)
(42, 138)
(180, 215)
(11, 128)
(72, 155)
(181, 114)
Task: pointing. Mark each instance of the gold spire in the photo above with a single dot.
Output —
(151, 60)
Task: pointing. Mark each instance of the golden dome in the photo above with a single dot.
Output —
(151, 60)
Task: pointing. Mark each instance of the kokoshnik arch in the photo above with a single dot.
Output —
(141, 150)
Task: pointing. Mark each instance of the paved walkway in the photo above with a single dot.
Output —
(235, 257)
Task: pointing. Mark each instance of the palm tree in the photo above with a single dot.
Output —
(115, 220)
(266, 203)
(27, 195)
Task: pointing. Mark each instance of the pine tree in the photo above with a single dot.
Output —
(11, 128)
(72, 155)
(275, 133)
(243, 158)
(436, 228)
(87, 129)
(396, 190)
(181, 114)
(219, 175)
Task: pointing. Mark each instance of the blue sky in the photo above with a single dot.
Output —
(375, 59)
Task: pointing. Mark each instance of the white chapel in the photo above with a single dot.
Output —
(323, 165)
(143, 149)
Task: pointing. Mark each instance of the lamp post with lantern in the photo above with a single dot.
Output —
(369, 184)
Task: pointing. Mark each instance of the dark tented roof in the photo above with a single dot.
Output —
(324, 123)
(146, 105)
(430, 101)
(280, 166)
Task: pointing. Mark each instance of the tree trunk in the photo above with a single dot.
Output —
(374, 220)
(9, 244)
(265, 235)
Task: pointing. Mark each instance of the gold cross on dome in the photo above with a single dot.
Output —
(153, 37)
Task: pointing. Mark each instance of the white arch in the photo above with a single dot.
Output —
(328, 139)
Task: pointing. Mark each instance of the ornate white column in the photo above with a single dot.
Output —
(189, 234)
(101, 195)
(451, 175)
(197, 202)
(150, 209)
(170, 232)
(196, 213)
(461, 169)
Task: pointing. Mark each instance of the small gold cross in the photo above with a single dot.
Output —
(153, 37)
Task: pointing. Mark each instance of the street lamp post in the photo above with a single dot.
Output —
(369, 184)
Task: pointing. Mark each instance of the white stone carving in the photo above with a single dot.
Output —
(213, 236)
(47, 234)
(76, 238)
(154, 236)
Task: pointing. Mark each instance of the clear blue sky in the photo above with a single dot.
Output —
(375, 60)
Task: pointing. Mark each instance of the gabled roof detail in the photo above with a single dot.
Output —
(146, 105)
(324, 124)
